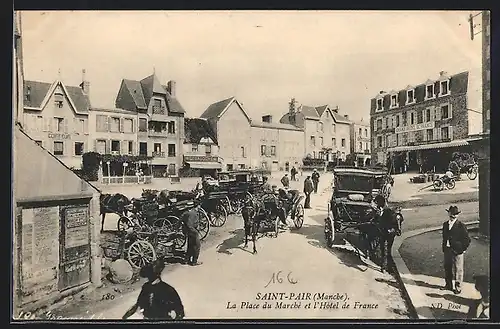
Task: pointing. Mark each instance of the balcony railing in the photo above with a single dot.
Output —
(158, 154)
(154, 133)
(158, 109)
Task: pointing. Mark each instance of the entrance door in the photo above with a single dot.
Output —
(275, 166)
(75, 246)
(412, 160)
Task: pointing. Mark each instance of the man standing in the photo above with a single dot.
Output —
(293, 173)
(308, 188)
(285, 181)
(456, 240)
(315, 180)
(190, 221)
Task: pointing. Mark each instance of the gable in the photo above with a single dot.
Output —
(40, 93)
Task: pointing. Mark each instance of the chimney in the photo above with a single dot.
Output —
(171, 88)
(85, 85)
(336, 109)
(381, 92)
(346, 116)
(441, 73)
(267, 118)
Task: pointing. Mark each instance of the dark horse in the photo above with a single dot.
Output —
(113, 203)
(383, 230)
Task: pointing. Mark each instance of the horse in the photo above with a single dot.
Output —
(112, 203)
(251, 213)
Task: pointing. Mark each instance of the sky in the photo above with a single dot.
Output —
(341, 58)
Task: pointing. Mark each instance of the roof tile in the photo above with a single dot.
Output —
(214, 110)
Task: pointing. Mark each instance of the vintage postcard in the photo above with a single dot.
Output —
(208, 165)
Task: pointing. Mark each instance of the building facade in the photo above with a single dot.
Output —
(160, 118)
(200, 149)
(56, 116)
(361, 142)
(276, 146)
(326, 132)
(420, 126)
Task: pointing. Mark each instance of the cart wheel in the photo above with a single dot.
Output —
(329, 234)
(237, 206)
(219, 217)
(181, 239)
(472, 172)
(124, 223)
(203, 224)
(298, 218)
(451, 184)
(140, 253)
(438, 184)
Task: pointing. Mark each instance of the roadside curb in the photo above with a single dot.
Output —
(402, 269)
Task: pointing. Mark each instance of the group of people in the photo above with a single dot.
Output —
(310, 184)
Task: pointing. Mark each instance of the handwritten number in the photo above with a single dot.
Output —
(277, 277)
(108, 296)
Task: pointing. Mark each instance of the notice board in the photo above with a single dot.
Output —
(40, 251)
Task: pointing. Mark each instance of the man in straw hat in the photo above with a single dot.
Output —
(456, 240)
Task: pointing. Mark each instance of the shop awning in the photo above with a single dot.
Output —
(204, 165)
(428, 146)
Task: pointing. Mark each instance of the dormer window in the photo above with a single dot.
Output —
(410, 96)
(380, 104)
(429, 91)
(394, 101)
(58, 99)
(157, 107)
(445, 90)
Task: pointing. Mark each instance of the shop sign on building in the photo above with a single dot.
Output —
(415, 127)
(59, 136)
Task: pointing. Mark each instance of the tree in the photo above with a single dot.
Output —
(292, 103)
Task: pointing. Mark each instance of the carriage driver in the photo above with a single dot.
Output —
(379, 204)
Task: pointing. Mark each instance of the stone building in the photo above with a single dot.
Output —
(327, 134)
(160, 116)
(361, 142)
(421, 124)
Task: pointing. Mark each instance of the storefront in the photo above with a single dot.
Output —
(199, 166)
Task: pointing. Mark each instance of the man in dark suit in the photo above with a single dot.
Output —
(456, 240)
(308, 188)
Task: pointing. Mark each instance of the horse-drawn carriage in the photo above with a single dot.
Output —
(353, 214)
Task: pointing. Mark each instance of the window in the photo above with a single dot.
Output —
(128, 126)
(78, 148)
(208, 149)
(333, 128)
(171, 127)
(430, 135)
(243, 154)
(130, 147)
(388, 141)
(420, 116)
(394, 100)
(397, 139)
(366, 146)
(262, 150)
(194, 148)
(59, 124)
(386, 123)
(39, 123)
(101, 123)
(343, 142)
(273, 150)
(143, 148)
(157, 108)
(79, 125)
(143, 125)
(427, 115)
(171, 169)
(101, 147)
(359, 131)
(444, 88)
(405, 119)
(445, 112)
(321, 141)
(157, 148)
(241, 166)
(410, 96)
(366, 132)
(397, 121)
(58, 148)
(379, 124)
(405, 138)
(445, 133)
(334, 143)
(380, 104)
(171, 150)
(379, 141)
(58, 100)
(115, 146)
(360, 146)
(412, 118)
(320, 126)
(115, 125)
(229, 167)
(313, 141)
(429, 91)
(157, 127)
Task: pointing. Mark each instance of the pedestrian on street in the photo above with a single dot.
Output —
(315, 180)
(285, 181)
(293, 172)
(456, 240)
(308, 189)
(190, 220)
(157, 299)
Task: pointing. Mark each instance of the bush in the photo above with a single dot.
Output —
(90, 166)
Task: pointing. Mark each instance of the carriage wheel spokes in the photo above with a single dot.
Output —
(450, 185)
(141, 253)
(181, 238)
(124, 223)
(219, 217)
(203, 224)
(298, 217)
(472, 172)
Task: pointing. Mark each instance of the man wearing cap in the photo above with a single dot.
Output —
(315, 180)
(456, 240)
(190, 220)
(285, 181)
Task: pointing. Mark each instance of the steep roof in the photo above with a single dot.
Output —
(216, 109)
(38, 92)
(321, 109)
(309, 111)
(195, 129)
(142, 91)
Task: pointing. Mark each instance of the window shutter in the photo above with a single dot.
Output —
(438, 133)
(450, 111)
(108, 124)
(75, 128)
(450, 132)
(121, 125)
(438, 113)
(66, 123)
(435, 133)
(124, 147)
(53, 125)
(108, 146)
(424, 138)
